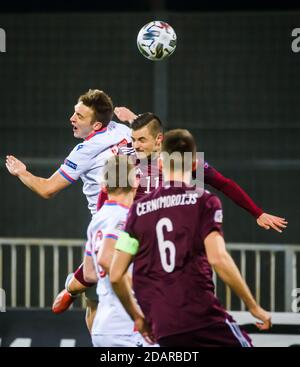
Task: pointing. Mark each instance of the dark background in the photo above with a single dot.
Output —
(233, 81)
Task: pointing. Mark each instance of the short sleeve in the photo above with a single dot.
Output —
(88, 244)
(212, 217)
(113, 233)
(77, 162)
(115, 230)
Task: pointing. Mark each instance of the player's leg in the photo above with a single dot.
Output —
(91, 306)
(74, 285)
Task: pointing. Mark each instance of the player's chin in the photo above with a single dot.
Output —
(141, 155)
(76, 134)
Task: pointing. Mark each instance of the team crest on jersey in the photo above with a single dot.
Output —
(70, 164)
(218, 218)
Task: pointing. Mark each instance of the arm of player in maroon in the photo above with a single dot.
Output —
(231, 189)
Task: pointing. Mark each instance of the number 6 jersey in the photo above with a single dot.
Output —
(172, 278)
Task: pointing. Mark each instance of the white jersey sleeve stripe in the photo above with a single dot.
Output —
(110, 235)
(66, 176)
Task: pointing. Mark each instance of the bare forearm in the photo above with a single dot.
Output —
(230, 274)
(124, 292)
(90, 277)
(36, 184)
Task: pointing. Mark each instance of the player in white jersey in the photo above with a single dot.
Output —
(112, 326)
(87, 159)
(91, 121)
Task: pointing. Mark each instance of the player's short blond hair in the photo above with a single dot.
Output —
(119, 174)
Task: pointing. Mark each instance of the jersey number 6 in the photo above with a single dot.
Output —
(165, 245)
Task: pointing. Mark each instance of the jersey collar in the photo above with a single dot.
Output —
(113, 202)
(101, 131)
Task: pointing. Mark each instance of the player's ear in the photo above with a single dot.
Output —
(159, 139)
(97, 125)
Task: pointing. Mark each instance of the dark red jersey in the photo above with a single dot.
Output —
(172, 278)
(151, 177)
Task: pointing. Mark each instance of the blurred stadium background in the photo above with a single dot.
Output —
(233, 81)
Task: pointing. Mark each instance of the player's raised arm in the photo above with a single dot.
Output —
(44, 187)
(227, 270)
(124, 114)
(234, 192)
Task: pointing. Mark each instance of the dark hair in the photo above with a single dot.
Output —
(119, 174)
(100, 103)
(180, 141)
(150, 120)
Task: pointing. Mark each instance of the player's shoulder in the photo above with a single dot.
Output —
(151, 195)
(210, 200)
(116, 127)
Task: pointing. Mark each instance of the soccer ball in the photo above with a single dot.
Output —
(156, 40)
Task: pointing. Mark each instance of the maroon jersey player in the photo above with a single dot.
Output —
(172, 275)
(147, 135)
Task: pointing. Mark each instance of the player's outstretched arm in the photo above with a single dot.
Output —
(124, 114)
(44, 187)
(268, 221)
(235, 193)
(225, 267)
(121, 285)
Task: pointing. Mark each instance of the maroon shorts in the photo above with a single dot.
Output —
(223, 334)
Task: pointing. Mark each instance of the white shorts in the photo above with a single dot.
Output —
(115, 340)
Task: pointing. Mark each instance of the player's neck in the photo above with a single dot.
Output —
(177, 176)
(124, 199)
